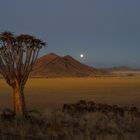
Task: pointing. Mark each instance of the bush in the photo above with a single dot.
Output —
(75, 122)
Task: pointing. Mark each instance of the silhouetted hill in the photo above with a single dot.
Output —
(52, 65)
(123, 68)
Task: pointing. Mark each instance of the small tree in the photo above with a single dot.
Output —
(17, 56)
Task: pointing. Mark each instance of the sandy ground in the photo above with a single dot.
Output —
(46, 94)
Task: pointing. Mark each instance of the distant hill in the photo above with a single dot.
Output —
(52, 65)
(122, 68)
(123, 71)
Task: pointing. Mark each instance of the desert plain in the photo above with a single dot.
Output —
(51, 93)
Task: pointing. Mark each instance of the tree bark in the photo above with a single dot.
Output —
(19, 100)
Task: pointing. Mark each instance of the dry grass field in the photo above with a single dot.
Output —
(75, 123)
(45, 94)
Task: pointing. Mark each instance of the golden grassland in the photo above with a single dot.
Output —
(50, 93)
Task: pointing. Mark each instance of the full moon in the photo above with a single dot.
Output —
(81, 55)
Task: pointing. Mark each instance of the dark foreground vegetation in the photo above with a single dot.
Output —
(79, 121)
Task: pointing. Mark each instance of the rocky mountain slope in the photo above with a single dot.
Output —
(52, 65)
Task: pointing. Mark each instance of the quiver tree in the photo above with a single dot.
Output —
(17, 56)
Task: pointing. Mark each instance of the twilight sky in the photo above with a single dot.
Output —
(107, 32)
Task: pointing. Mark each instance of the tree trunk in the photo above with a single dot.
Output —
(19, 101)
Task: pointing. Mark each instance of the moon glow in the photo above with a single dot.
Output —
(81, 55)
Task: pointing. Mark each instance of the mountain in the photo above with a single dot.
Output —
(52, 65)
(122, 68)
